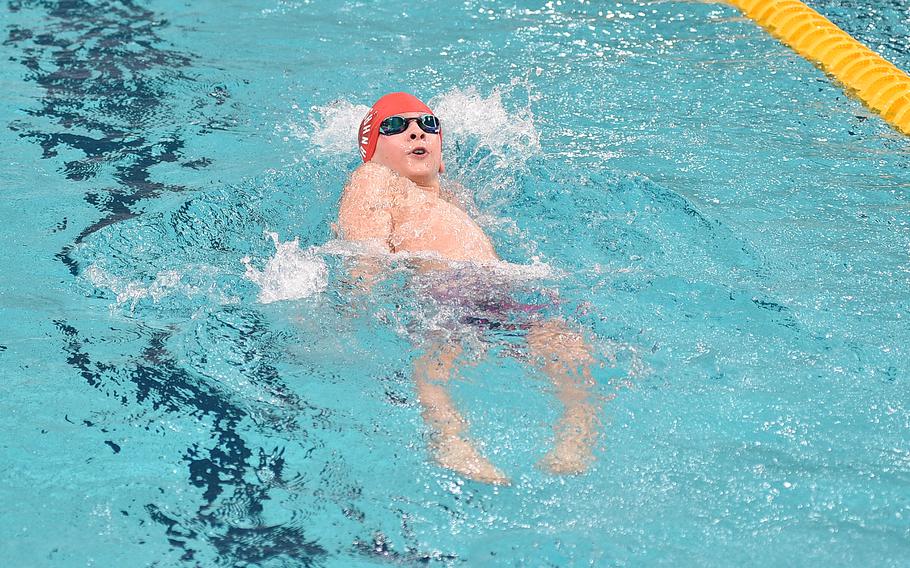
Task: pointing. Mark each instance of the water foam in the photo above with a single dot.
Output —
(131, 292)
(291, 274)
(508, 135)
(335, 126)
(503, 271)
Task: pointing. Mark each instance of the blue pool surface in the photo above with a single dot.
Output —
(190, 379)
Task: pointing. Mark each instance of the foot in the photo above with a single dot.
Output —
(569, 457)
(462, 457)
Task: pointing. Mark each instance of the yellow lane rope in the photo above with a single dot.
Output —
(872, 79)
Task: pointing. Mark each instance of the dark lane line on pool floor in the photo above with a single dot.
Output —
(223, 471)
(104, 70)
(99, 67)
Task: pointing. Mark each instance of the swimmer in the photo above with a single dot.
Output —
(394, 202)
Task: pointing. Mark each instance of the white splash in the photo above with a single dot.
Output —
(166, 283)
(537, 270)
(335, 126)
(508, 135)
(291, 274)
(131, 291)
(501, 270)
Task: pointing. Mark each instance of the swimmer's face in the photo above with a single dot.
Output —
(414, 154)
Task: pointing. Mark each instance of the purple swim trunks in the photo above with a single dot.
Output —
(507, 315)
(483, 302)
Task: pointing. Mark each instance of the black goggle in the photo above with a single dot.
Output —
(398, 124)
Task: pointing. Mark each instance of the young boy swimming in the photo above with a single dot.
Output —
(394, 202)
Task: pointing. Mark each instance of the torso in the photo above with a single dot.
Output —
(423, 222)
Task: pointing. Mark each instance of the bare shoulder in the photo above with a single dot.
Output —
(458, 195)
(370, 171)
(363, 210)
(367, 179)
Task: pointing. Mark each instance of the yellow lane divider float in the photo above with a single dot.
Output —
(876, 82)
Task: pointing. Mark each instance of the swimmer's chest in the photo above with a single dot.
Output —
(431, 224)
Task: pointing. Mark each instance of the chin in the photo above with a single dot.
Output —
(420, 179)
(422, 174)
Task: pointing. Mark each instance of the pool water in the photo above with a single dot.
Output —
(190, 378)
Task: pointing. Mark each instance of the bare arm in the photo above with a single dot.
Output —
(363, 215)
(456, 194)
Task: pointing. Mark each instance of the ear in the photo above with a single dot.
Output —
(442, 167)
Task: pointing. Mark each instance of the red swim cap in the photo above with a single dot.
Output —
(386, 106)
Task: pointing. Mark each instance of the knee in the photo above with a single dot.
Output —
(555, 341)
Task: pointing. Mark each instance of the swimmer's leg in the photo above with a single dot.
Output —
(566, 359)
(432, 371)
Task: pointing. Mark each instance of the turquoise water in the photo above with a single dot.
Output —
(190, 380)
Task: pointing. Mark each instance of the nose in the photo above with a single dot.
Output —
(414, 131)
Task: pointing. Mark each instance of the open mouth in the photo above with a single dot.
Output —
(419, 151)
